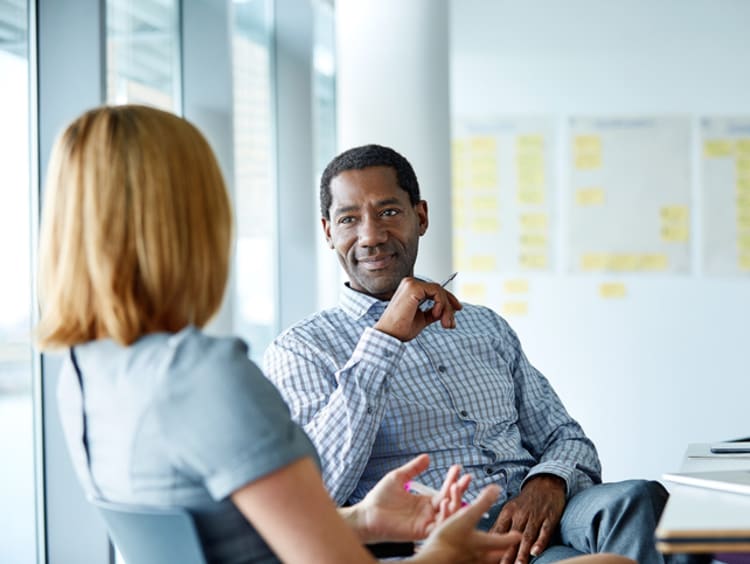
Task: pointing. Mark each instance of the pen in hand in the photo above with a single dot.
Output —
(443, 285)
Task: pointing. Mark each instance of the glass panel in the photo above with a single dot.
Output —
(17, 503)
(143, 53)
(254, 187)
(330, 275)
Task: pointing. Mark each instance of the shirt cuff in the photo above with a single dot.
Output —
(558, 469)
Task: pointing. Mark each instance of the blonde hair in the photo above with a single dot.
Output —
(136, 229)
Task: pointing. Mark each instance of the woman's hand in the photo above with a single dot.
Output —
(390, 513)
(456, 540)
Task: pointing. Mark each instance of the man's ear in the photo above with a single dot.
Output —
(421, 209)
(326, 224)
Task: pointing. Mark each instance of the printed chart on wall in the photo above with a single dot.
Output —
(725, 186)
(503, 196)
(629, 200)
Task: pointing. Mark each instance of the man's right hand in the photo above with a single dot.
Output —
(404, 319)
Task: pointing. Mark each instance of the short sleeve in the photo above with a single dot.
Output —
(222, 419)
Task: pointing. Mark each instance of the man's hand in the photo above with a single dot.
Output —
(390, 513)
(404, 319)
(535, 512)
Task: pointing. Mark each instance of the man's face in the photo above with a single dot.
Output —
(374, 229)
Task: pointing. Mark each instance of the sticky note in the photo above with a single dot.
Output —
(533, 261)
(483, 144)
(590, 196)
(743, 241)
(653, 262)
(529, 143)
(717, 148)
(623, 262)
(531, 197)
(534, 221)
(587, 144)
(484, 179)
(530, 161)
(742, 146)
(517, 286)
(510, 309)
(743, 221)
(674, 214)
(743, 201)
(743, 184)
(473, 292)
(675, 234)
(744, 261)
(533, 239)
(742, 165)
(612, 290)
(459, 146)
(594, 261)
(459, 220)
(485, 225)
(588, 161)
(482, 263)
(532, 178)
(484, 203)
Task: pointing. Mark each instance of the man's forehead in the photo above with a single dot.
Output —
(368, 185)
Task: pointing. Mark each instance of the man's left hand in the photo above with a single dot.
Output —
(535, 512)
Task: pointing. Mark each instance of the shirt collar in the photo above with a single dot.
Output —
(357, 305)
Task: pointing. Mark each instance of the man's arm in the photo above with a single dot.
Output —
(341, 411)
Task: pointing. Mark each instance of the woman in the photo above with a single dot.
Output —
(135, 246)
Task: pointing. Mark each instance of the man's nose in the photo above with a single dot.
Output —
(371, 232)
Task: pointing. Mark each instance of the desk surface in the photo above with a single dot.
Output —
(704, 520)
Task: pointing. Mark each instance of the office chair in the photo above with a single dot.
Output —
(146, 535)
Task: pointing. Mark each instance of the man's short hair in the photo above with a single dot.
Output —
(366, 156)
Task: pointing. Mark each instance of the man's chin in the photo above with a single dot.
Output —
(379, 285)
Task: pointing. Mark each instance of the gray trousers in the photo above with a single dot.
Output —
(617, 517)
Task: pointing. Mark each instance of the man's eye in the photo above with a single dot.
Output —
(389, 212)
(346, 219)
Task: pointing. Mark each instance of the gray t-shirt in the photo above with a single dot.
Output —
(180, 420)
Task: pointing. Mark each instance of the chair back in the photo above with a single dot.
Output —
(149, 535)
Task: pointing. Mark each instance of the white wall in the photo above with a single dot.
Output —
(668, 364)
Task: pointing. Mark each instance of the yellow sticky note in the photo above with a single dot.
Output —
(743, 146)
(675, 234)
(533, 261)
(483, 179)
(742, 165)
(526, 143)
(594, 261)
(623, 262)
(459, 220)
(744, 261)
(473, 292)
(517, 286)
(717, 148)
(534, 221)
(653, 262)
(743, 242)
(743, 201)
(530, 161)
(459, 245)
(531, 197)
(459, 147)
(743, 221)
(482, 263)
(743, 184)
(483, 144)
(590, 196)
(533, 239)
(510, 309)
(531, 179)
(587, 144)
(612, 290)
(588, 161)
(674, 214)
(485, 225)
(484, 203)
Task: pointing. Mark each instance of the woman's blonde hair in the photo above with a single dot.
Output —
(136, 229)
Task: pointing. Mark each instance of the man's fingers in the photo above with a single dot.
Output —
(490, 541)
(528, 538)
(545, 533)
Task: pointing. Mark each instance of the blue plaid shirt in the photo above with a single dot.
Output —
(467, 395)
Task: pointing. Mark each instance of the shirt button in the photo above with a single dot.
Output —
(369, 410)
(487, 452)
(387, 354)
(464, 413)
(441, 368)
(489, 471)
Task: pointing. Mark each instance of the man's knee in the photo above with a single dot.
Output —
(647, 494)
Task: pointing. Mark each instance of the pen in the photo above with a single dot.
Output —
(443, 285)
(413, 486)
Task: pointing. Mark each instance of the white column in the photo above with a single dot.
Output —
(393, 89)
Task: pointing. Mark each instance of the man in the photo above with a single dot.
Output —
(387, 375)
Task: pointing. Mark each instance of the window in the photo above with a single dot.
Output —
(17, 501)
(143, 53)
(254, 185)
